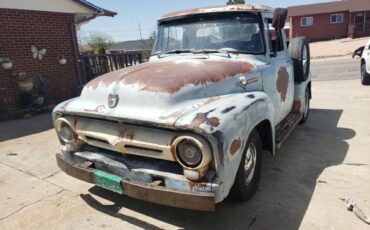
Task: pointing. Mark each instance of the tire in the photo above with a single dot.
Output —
(365, 77)
(306, 108)
(246, 183)
(299, 52)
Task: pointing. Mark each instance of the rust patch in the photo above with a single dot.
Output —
(228, 109)
(235, 146)
(211, 100)
(214, 122)
(173, 116)
(75, 123)
(171, 76)
(282, 83)
(215, 9)
(199, 119)
(297, 106)
(220, 145)
(125, 133)
(200, 186)
(202, 118)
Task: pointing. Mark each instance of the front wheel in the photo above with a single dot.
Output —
(306, 106)
(248, 175)
(365, 77)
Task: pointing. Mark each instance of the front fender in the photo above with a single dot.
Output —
(61, 108)
(227, 123)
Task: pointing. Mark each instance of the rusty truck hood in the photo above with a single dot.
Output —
(161, 92)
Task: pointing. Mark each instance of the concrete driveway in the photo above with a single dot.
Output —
(323, 160)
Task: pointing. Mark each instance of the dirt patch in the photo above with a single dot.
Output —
(336, 48)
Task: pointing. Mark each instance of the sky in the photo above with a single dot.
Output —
(125, 25)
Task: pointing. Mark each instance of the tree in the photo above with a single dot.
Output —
(231, 2)
(146, 48)
(99, 42)
(152, 38)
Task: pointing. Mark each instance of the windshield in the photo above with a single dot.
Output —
(240, 33)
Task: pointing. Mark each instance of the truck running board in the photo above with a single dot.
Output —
(285, 127)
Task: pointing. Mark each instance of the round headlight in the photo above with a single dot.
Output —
(66, 133)
(189, 153)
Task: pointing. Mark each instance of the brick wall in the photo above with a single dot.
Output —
(321, 29)
(19, 30)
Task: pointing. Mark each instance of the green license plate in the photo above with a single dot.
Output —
(108, 181)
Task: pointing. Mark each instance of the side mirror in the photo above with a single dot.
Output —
(279, 19)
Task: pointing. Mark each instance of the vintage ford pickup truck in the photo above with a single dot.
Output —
(188, 128)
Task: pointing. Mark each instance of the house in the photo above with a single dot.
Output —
(330, 20)
(39, 51)
(134, 45)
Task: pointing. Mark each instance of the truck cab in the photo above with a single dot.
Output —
(188, 128)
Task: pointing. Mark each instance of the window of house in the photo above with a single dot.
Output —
(336, 18)
(307, 21)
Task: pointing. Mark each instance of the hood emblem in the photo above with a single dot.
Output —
(113, 100)
(244, 82)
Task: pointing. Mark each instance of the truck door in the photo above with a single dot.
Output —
(280, 84)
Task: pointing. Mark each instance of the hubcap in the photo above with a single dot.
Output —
(250, 163)
(305, 60)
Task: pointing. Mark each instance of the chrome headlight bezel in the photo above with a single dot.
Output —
(189, 152)
(200, 143)
(61, 123)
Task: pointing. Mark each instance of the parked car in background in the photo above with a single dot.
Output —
(365, 65)
(364, 53)
(188, 128)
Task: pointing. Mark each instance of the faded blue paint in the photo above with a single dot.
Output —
(216, 113)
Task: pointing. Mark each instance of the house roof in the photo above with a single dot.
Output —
(217, 9)
(329, 7)
(97, 9)
(82, 9)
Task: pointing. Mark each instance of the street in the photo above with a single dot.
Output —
(335, 69)
(323, 160)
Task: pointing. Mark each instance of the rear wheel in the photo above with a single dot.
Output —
(306, 106)
(365, 77)
(248, 175)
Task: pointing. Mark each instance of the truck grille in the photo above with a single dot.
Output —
(123, 138)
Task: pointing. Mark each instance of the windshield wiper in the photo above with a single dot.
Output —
(208, 51)
(178, 51)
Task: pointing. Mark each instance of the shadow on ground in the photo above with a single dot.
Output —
(24, 127)
(287, 183)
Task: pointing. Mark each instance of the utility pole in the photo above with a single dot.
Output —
(141, 39)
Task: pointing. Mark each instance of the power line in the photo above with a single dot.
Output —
(124, 30)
